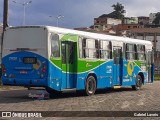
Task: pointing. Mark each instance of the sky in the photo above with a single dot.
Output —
(77, 13)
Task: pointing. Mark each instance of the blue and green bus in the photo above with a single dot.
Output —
(62, 59)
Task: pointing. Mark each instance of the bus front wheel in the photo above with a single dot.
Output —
(138, 83)
(90, 87)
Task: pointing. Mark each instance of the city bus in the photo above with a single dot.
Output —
(60, 59)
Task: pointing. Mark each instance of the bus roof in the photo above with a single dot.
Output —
(89, 34)
(99, 36)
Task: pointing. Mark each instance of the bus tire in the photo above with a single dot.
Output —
(90, 86)
(138, 83)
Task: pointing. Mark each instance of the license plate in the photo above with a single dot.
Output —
(29, 60)
(23, 72)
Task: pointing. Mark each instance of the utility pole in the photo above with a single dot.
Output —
(5, 15)
(5, 22)
(58, 18)
(24, 8)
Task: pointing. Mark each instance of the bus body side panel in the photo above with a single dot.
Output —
(106, 75)
(103, 73)
(86, 67)
(55, 73)
(130, 71)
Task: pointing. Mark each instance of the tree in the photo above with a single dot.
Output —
(118, 10)
(156, 21)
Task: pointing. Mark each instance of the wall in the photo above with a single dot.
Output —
(132, 20)
(112, 21)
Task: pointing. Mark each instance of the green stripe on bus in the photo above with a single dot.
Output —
(83, 65)
(69, 37)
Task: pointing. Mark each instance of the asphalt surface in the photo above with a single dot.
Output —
(124, 99)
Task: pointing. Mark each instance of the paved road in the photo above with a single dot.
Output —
(125, 99)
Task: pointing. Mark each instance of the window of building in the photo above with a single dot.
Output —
(90, 48)
(55, 46)
(105, 49)
(141, 52)
(130, 52)
(96, 27)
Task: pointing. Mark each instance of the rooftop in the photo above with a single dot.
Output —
(145, 30)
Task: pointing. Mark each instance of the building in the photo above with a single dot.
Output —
(110, 32)
(151, 34)
(143, 20)
(83, 28)
(121, 28)
(152, 16)
(105, 23)
(130, 20)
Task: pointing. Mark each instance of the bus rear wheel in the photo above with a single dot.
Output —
(138, 83)
(90, 87)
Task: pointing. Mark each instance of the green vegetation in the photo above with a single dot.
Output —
(118, 12)
(157, 77)
(156, 21)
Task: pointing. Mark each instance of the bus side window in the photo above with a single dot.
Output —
(141, 52)
(80, 48)
(89, 48)
(97, 48)
(83, 48)
(130, 52)
(55, 46)
(105, 50)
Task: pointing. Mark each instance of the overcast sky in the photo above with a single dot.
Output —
(77, 13)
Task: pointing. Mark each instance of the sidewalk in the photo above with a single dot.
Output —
(8, 88)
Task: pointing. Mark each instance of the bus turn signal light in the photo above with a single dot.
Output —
(43, 70)
(4, 70)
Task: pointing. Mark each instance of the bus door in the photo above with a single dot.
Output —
(117, 69)
(150, 66)
(68, 61)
